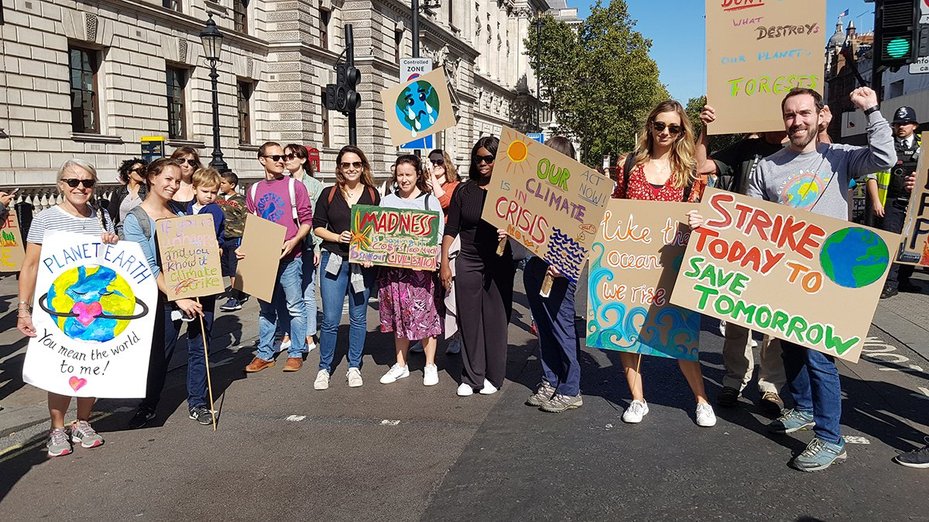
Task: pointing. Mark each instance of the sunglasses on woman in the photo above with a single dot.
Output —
(190, 161)
(660, 126)
(351, 164)
(486, 159)
(74, 182)
(438, 162)
(138, 170)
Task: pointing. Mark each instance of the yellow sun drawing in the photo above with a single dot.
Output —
(521, 156)
(518, 151)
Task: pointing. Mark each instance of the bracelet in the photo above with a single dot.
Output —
(869, 110)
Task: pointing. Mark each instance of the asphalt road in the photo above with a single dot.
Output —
(406, 452)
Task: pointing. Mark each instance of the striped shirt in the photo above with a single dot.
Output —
(57, 220)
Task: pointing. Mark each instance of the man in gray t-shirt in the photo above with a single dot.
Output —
(814, 176)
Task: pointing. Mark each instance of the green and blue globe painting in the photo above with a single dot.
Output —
(418, 107)
(90, 303)
(854, 257)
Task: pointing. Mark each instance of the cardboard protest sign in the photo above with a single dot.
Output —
(394, 237)
(805, 278)
(12, 248)
(417, 108)
(756, 51)
(634, 262)
(547, 201)
(190, 256)
(914, 246)
(256, 273)
(94, 312)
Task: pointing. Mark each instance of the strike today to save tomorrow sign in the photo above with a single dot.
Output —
(798, 276)
(756, 51)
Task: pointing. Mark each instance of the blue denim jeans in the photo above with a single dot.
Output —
(333, 289)
(288, 295)
(554, 320)
(813, 380)
(309, 298)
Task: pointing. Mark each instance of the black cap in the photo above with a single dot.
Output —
(905, 115)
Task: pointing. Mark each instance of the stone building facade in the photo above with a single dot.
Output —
(90, 79)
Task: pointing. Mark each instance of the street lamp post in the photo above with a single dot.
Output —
(538, 58)
(212, 41)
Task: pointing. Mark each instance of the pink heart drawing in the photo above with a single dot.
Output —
(77, 383)
(86, 313)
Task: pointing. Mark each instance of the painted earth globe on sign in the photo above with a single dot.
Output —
(418, 107)
(91, 303)
(854, 257)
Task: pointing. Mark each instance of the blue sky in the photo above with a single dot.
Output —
(678, 34)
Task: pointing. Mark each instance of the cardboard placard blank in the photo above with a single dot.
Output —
(256, 273)
(798, 276)
(189, 253)
(418, 108)
(914, 245)
(633, 266)
(756, 51)
(548, 202)
(12, 248)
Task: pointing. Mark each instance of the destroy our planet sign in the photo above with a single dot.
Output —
(547, 201)
(789, 273)
(93, 314)
(634, 261)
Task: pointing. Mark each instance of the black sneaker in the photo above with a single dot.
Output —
(889, 291)
(231, 305)
(918, 458)
(142, 417)
(201, 414)
(728, 397)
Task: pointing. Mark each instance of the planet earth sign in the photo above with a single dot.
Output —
(854, 257)
(84, 300)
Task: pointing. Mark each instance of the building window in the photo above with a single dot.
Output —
(174, 5)
(85, 115)
(176, 79)
(240, 15)
(325, 118)
(324, 16)
(398, 44)
(245, 114)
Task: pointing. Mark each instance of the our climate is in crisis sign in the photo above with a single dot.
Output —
(781, 271)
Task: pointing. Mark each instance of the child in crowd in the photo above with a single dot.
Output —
(234, 211)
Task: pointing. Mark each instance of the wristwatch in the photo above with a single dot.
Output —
(869, 110)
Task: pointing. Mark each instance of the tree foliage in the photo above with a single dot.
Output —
(716, 142)
(600, 82)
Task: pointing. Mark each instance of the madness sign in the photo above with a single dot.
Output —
(394, 237)
(547, 201)
(805, 278)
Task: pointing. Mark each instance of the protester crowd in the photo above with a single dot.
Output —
(668, 163)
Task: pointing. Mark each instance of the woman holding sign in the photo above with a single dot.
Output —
(164, 178)
(76, 180)
(332, 223)
(661, 169)
(409, 303)
(483, 280)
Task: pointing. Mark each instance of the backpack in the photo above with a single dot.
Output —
(144, 221)
(627, 171)
(291, 183)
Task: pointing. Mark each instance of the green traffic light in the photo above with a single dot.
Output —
(898, 47)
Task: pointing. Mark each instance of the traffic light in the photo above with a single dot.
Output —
(342, 95)
(896, 32)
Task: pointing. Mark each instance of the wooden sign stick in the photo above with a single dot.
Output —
(206, 361)
(547, 285)
(501, 246)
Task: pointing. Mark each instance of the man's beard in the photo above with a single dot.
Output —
(801, 143)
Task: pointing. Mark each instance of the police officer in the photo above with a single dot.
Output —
(890, 197)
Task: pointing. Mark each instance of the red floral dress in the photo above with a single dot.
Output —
(640, 188)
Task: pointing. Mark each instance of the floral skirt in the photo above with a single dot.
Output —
(409, 305)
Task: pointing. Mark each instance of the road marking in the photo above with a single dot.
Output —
(295, 418)
(388, 422)
(852, 439)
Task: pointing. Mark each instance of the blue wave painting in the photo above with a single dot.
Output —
(667, 331)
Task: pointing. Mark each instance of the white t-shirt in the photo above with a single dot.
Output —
(56, 219)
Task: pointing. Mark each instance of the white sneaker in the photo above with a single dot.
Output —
(310, 345)
(635, 412)
(417, 347)
(354, 378)
(395, 373)
(705, 416)
(464, 390)
(488, 389)
(454, 346)
(322, 380)
(430, 375)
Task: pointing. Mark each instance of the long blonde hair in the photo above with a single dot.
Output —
(683, 164)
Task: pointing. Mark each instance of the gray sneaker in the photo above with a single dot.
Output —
(542, 394)
(560, 403)
(819, 455)
(201, 414)
(790, 421)
(58, 443)
(83, 433)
